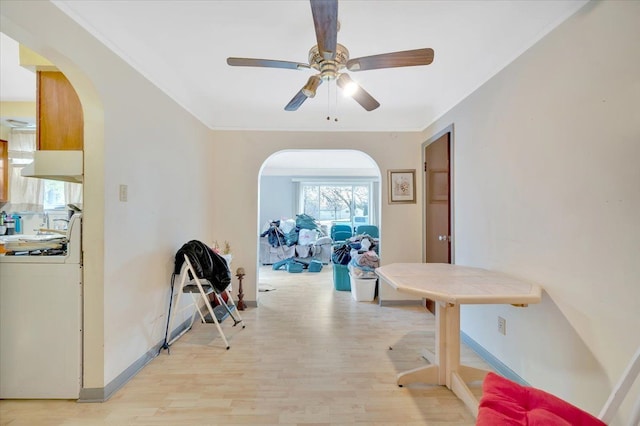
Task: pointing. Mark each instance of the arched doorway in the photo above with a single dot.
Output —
(92, 370)
(331, 186)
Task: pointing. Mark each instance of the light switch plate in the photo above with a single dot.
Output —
(124, 193)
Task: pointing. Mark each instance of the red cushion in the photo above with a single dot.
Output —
(507, 403)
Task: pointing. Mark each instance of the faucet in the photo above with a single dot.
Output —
(44, 224)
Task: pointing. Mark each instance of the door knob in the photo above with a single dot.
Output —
(443, 238)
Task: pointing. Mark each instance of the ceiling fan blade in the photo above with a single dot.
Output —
(265, 63)
(325, 20)
(295, 103)
(407, 58)
(360, 95)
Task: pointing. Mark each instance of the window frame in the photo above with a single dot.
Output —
(366, 182)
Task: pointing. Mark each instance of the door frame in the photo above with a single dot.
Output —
(449, 129)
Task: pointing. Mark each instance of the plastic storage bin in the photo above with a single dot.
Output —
(363, 289)
(341, 278)
(294, 267)
(315, 266)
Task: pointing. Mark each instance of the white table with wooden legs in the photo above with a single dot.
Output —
(451, 286)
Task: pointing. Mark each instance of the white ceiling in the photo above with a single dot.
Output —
(321, 162)
(182, 46)
(17, 84)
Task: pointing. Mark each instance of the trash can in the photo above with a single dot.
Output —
(341, 277)
(363, 289)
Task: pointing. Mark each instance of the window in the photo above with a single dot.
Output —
(54, 194)
(337, 202)
(29, 194)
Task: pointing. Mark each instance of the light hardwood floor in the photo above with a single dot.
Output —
(308, 355)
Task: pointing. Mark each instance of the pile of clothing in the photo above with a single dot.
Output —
(360, 254)
(304, 230)
(299, 238)
(364, 259)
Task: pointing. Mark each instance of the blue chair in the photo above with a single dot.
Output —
(340, 232)
(370, 230)
(341, 236)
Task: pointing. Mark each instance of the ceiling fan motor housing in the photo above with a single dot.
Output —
(329, 68)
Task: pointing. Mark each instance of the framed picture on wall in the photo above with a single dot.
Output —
(402, 186)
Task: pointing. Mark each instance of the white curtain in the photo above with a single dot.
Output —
(73, 193)
(22, 144)
(25, 194)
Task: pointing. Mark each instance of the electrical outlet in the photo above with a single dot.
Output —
(502, 326)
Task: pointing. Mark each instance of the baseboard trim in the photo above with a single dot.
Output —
(409, 302)
(103, 394)
(490, 359)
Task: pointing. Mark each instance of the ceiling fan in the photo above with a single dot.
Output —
(331, 58)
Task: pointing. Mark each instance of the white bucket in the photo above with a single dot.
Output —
(363, 289)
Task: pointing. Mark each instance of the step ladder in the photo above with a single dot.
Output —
(200, 289)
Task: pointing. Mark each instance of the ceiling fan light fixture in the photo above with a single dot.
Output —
(350, 89)
(348, 86)
(309, 89)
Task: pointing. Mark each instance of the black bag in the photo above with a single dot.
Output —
(341, 254)
(206, 263)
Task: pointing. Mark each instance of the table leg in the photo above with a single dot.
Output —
(442, 360)
(427, 374)
(459, 375)
(434, 374)
(471, 374)
(451, 318)
(445, 368)
(462, 391)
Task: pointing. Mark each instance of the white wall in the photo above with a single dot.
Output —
(276, 199)
(239, 156)
(547, 187)
(134, 135)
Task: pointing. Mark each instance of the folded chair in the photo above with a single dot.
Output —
(508, 403)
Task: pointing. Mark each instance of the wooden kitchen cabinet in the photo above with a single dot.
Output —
(59, 112)
(4, 171)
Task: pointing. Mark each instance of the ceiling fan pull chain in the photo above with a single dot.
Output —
(329, 101)
(335, 101)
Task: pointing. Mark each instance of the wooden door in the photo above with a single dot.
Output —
(437, 203)
(438, 210)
